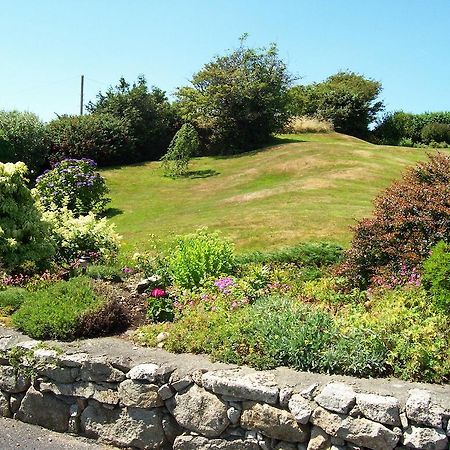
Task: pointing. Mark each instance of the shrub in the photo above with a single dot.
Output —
(23, 235)
(73, 183)
(101, 137)
(74, 236)
(104, 272)
(11, 299)
(437, 132)
(55, 311)
(409, 218)
(22, 138)
(315, 254)
(184, 144)
(160, 307)
(436, 275)
(198, 255)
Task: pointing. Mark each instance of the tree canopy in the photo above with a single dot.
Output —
(348, 99)
(237, 100)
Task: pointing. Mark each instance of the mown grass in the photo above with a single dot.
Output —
(306, 187)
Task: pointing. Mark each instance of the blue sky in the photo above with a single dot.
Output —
(47, 44)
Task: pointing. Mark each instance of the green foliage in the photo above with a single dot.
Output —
(160, 309)
(76, 236)
(238, 100)
(22, 138)
(10, 299)
(316, 254)
(104, 272)
(55, 311)
(73, 183)
(101, 137)
(437, 132)
(347, 99)
(23, 235)
(198, 255)
(400, 125)
(184, 144)
(436, 276)
(408, 219)
(149, 117)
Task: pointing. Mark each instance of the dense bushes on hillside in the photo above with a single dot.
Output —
(149, 118)
(417, 128)
(23, 138)
(101, 137)
(409, 218)
(237, 100)
(348, 100)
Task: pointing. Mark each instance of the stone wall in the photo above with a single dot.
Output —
(157, 406)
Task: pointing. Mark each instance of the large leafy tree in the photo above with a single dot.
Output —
(149, 115)
(348, 99)
(238, 100)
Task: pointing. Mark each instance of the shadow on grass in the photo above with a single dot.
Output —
(111, 212)
(274, 141)
(201, 173)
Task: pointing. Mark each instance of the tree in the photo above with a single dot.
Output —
(150, 118)
(348, 99)
(238, 100)
(184, 144)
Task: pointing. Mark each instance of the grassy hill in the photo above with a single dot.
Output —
(305, 187)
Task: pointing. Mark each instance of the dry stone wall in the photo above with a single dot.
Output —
(154, 406)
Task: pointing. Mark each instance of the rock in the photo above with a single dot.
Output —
(197, 375)
(272, 422)
(61, 374)
(165, 391)
(285, 446)
(12, 383)
(235, 383)
(309, 392)
(380, 408)
(170, 427)
(82, 389)
(319, 440)
(129, 427)
(188, 442)
(45, 356)
(368, 434)
(99, 370)
(14, 402)
(337, 397)
(44, 410)
(73, 360)
(145, 283)
(4, 405)
(300, 408)
(200, 411)
(182, 384)
(329, 422)
(421, 410)
(425, 438)
(234, 415)
(285, 395)
(150, 372)
(134, 393)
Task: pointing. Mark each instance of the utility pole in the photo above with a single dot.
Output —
(82, 94)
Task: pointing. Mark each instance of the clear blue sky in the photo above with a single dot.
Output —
(47, 44)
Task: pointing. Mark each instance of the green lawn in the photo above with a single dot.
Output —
(307, 187)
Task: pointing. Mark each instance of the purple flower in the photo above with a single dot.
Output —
(224, 284)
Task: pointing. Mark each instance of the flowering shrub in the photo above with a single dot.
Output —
(196, 256)
(74, 236)
(23, 235)
(73, 183)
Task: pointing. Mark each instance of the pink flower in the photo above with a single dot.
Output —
(234, 305)
(158, 292)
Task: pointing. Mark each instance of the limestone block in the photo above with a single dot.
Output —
(237, 384)
(273, 422)
(200, 411)
(337, 397)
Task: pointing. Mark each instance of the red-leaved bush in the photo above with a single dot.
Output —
(409, 217)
